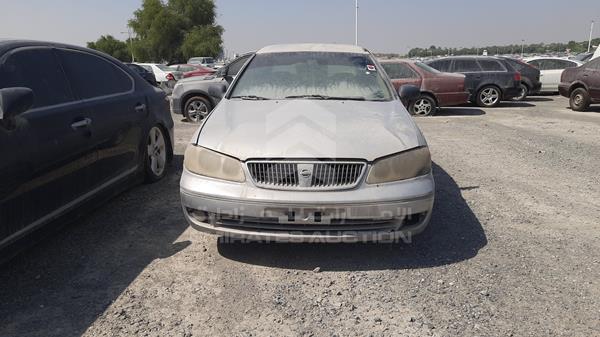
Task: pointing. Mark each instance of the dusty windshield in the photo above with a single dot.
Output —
(312, 75)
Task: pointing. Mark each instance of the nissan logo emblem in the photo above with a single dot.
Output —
(306, 173)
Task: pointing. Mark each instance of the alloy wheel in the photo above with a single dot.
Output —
(157, 151)
(422, 107)
(489, 96)
(197, 110)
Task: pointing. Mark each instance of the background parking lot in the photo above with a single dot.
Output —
(512, 250)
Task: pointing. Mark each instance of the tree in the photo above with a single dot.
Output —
(111, 46)
(202, 41)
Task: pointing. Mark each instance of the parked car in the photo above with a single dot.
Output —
(581, 85)
(596, 54)
(145, 73)
(68, 142)
(310, 143)
(489, 79)
(203, 61)
(191, 97)
(583, 57)
(165, 76)
(551, 69)
(438, 89)
(530, 78)
(191, 70)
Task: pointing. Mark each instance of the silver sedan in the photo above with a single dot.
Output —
(309, 143)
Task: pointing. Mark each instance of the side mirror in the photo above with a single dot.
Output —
(217, 90)
(15, 101)
(409, 93)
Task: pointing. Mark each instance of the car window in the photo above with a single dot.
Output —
(39, 70)
(163, 67)
(536, 63)
(235, 66)
(399, 70)
(491, 65)
(568, 64)
(441, 65)
(465, 66)
(92, 76)
(427, 68)
(284, 75)
(593, 64)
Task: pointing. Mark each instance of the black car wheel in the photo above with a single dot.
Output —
(523, 94)
(488, 96)
(423, 106)
(156, 155)
(580, 99)
(196, 109)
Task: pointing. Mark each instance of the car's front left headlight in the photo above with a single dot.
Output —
(212, 164)
(406, 165)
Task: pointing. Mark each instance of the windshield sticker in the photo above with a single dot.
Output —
(371, 67)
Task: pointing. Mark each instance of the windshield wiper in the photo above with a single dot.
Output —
(323, 97)
(251, 98)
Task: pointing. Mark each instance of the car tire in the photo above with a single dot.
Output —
(196, 109)
(423, 106)
(524, 93)
(489, 96)
(156, 154)
(580, 99)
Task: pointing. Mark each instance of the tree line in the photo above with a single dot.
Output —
(532, 48)
(171, 31)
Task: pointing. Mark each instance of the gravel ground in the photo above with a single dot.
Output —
(512, 250)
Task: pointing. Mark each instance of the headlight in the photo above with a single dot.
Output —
(208, 163)
(406, 165)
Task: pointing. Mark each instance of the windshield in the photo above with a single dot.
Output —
(427, 68)
(312, 75)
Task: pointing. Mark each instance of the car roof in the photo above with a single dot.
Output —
(464, 57)
(312, 47)
(527, 59)
(397, 61)
(8, 44)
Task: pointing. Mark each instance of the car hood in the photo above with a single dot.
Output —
(309, 129)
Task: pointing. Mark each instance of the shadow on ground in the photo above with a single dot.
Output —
(515, 104)
(60, 286)
(453, 235)
(461, 111)
(537, 99)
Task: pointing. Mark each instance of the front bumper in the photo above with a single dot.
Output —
(385, 212)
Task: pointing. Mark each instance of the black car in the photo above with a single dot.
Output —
(147, 75)
(76, 127)
(530, 78)
(489, 80)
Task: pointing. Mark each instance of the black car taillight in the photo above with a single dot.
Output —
(518, 76)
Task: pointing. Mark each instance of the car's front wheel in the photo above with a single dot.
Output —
(156, 155)
(523, 93)
(196, 109)
(580, 99)
(423, 106)
(488, 96)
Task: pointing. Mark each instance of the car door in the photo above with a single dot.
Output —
(551, 74)
(401, 74)
(472, 71)
(115, 110)
(591, 76)
(47, 151)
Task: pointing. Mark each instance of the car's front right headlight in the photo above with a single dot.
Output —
(212, 164)
(406, 165)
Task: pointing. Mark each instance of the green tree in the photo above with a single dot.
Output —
(111, 46)
(202, 41)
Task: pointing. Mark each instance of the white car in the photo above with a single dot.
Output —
(203, 61)
(596, 54)
(551, 69)
(163, 73)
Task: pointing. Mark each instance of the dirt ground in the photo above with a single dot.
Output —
(513, 250)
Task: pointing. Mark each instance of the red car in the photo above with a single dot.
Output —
(191, 70)
(438, 89)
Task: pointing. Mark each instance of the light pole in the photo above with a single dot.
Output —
(356, 24)
(522, 48)
(590, 40)
(128, 32)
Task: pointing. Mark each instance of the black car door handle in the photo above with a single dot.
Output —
(80, 124)
(140, 107)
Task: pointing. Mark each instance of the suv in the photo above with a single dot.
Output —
(530, 78)
(488, 79)
(312, 143)
(191, 97)
(581, 85)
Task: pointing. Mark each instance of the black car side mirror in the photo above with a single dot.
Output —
(15, 101)
(217, 90)
(409, 93)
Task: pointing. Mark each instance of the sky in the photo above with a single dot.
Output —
(390, 26)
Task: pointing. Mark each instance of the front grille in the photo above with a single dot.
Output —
(306, 175)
